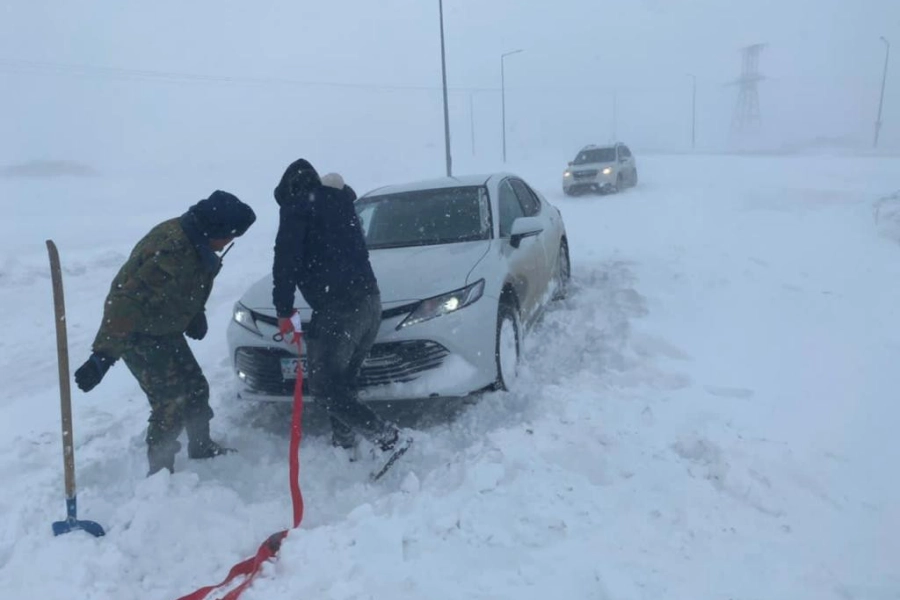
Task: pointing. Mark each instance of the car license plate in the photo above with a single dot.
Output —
(289, 367)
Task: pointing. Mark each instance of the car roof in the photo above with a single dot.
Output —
(595, 147)
(434, 184)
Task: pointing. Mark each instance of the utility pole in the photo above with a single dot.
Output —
(887, 55)
(503, 96)
(446, 108)
(615, 116)
(472, 118)
(694, 115)
(746, 113)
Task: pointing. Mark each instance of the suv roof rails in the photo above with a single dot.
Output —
(595, 146)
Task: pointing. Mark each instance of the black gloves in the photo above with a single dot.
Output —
(198, 327)
(92, 371)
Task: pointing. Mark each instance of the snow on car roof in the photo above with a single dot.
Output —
(432, 184)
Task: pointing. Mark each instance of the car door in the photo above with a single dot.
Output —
(626, 163)
(533, 207)
(527, 264)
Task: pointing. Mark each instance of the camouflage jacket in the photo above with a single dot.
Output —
(164, 284)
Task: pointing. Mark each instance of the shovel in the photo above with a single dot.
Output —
(72, 523)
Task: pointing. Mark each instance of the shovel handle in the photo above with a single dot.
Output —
(62, 351)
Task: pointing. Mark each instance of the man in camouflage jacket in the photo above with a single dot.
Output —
(158, 297)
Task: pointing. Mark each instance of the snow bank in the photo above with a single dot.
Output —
(887, 216)
(710, 414)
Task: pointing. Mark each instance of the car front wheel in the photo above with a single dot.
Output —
(507, 346)
(563, 272)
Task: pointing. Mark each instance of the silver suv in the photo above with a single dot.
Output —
(600, 169)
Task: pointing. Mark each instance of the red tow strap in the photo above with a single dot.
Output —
(251, 567)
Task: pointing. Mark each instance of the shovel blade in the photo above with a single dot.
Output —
(73, 523)
(70, 525)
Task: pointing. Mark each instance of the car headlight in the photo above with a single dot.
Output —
(607, 170)
(567, 174)
(243, 316)
(445, 304)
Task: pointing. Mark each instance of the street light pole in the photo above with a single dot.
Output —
(472, 119)
(446, 108)
(615, 116)
(693, 111)
(887, 55)
(503, 96)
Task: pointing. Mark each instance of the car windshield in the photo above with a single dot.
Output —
(597, 155)
(425, 217)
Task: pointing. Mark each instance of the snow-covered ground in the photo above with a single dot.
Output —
(711, 414)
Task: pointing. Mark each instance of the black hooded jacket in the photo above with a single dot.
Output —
(320, 247)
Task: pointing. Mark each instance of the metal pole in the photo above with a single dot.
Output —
(503, 96)
(887, 55)
(615, 116)
(693, 111)
(472, 119)
(446, 108)
(503, 103)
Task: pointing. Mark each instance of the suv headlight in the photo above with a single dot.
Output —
(607, 170)
(567, 173)
(445, 304)
(243, 316)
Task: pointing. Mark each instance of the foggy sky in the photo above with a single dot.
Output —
(361, 80)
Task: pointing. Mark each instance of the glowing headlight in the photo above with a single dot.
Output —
(244, 317)
(567, 174)
(607, 170)
(445, 304)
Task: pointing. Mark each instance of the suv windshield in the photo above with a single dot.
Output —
(597, 155)
(425, 217)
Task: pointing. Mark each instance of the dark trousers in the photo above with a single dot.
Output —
(178, 392)
(337, 342)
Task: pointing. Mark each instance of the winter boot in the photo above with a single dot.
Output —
(391, 453)
(342, 436)
(207, 449)
(161, 455)
(199, 443)
(387, 440)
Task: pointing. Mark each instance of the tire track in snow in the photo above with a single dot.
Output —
(209, 514)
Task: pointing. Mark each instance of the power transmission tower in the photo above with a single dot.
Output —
(746, 112)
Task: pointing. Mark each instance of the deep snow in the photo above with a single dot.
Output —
(711, 413)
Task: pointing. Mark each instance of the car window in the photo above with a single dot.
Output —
(510, 209)
(425, 217)
(365, 216)
(531, 206)
(595, 155)
(624, 152)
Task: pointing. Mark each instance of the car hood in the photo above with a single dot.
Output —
(404, 274)
(591, 166)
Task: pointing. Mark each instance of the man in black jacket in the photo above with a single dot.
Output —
(320, 249)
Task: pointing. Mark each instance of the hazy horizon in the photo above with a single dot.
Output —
(118, 86)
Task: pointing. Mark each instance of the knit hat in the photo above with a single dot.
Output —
(222, 216)
(333, 180)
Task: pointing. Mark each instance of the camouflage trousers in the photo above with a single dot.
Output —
(178, 392)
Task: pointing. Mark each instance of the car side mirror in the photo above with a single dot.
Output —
(524, 227)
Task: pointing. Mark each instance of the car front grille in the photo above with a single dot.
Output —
(389, 362)
(399, 362)
(260, 370)
(586, 174)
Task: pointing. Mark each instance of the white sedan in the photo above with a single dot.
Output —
(465, 266)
